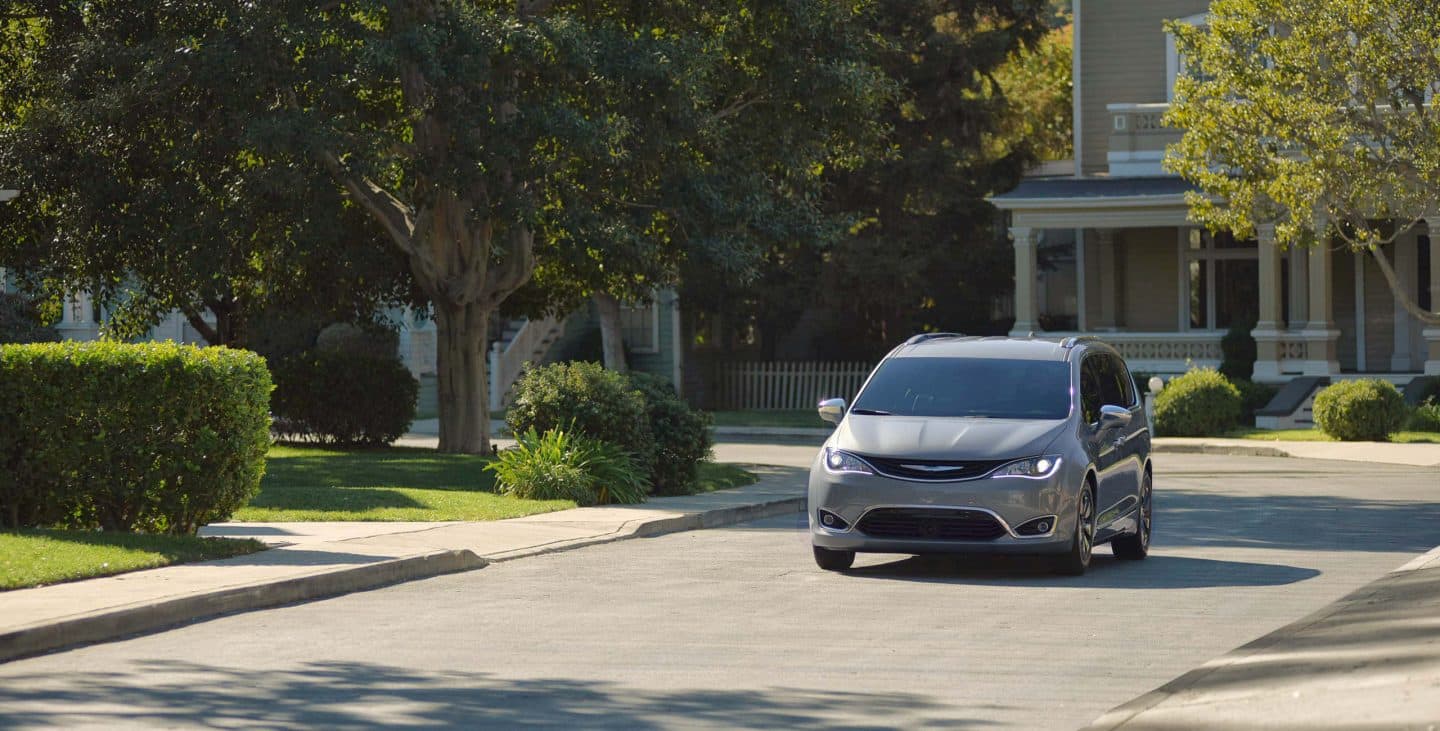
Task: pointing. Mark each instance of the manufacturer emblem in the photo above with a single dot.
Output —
(932, 467)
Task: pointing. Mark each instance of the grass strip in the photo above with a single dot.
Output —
(40, 557)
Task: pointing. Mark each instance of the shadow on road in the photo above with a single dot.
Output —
(1156, 572)
(1310, 522)
(367, 695)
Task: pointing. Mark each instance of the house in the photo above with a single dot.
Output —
(1108, 249)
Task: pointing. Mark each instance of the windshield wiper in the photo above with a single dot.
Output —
(870, 412)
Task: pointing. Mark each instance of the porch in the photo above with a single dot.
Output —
(1118, 258)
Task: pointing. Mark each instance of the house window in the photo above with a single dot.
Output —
(1174, 62)
(640, 327)
(1223, 280)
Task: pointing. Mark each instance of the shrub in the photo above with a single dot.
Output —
(154, 437)
(1239, 351)
(1428, 390)
(1254, 396)
(369, 339)
(682, 436)
(562, 465)
(588, 400)
(1425, 417)
(20, 321)
(1199, 403)
(1363, 410)
(339, 397)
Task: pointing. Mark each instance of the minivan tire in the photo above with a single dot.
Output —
(1136, 546)
(832, 560)
(1074, 561)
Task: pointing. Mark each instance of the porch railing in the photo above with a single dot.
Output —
(783, 384)
(1162, 352)
(507, 360)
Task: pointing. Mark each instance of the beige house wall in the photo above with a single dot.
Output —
(1122, 60)
(1150, 283)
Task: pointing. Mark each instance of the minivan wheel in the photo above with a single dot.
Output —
(832, 560)
(1077, 559)
(1136, 546)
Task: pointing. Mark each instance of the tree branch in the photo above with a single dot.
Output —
(198, 322)
(1406, 301)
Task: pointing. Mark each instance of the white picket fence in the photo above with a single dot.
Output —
(784, 384)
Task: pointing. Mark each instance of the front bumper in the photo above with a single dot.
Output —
(1011, 501)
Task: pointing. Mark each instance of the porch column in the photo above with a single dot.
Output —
(1406, 258)
(1027, 309)
(1267, 328)
(1299, 287)
(1432, 333)
(1320, 333)
(1109, 279)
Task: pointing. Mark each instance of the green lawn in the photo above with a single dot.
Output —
(721, 476)
(1315, 435)
(314, 484)
(755, 417)
(39, 557)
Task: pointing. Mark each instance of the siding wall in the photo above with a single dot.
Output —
(1150, 294)
(1122, 60)
(1379, 316)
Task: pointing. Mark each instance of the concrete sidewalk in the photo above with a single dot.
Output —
(313, 560)
(1370, 660)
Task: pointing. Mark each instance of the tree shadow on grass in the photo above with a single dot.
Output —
(340, 499)
(391, 467)
(369, 695)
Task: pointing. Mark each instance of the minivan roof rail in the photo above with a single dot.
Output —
(922, 337)
(1074, 340)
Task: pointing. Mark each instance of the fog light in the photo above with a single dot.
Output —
(831, 520)
(1042, 527)
(827, 519)
(1036, 527)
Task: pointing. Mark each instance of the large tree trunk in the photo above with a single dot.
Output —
(464, 394)
(612, 341)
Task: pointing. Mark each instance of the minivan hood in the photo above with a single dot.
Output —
(945, 438)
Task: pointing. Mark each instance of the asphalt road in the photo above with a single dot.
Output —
(736, 627)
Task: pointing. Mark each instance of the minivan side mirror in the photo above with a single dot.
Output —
(1112, 417)
(832, 410)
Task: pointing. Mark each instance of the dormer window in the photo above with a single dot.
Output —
(1174, 62)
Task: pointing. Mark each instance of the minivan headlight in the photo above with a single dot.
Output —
(1035, 468)
(837, 460)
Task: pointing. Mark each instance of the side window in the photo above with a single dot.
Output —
(1090, 389)
(1112, 390)
(1127, 382)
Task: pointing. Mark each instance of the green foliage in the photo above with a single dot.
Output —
(344, 397)
(1238, 347)
(1200, 403)
(1429, 390)
(1311, 115)
(376, 341)
(563, 465)
(1255, 396)
(588, 400)
(1425, 417)
(682, 436)
(1364, 410)
(20, 321)
(154, 438)
(44, 557)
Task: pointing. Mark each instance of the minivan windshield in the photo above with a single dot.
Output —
(994, 388)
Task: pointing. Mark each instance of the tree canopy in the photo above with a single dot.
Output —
(1314, 116)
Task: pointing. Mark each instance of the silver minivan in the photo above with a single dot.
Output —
(986, 445)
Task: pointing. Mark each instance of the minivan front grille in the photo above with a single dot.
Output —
(935, 470)
(931, 524)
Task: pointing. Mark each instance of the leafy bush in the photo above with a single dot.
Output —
(562, 465)
(1425, 417)
(341, 397)
(370, 339)
(20, 321)
(155, 437)
(1239, 351)
(1197, 404)
(682, 436)
(1254, 396)
(588, 400)
(1429, 390)
(1363, 410)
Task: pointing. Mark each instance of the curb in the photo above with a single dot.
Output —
(1119, 716)
(652, 527)
(1221, 449)
(112, 624)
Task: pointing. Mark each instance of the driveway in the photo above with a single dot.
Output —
(737, 628)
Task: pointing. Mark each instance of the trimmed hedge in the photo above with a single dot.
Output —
(682, 436)
(155, 437)
(1365, 410)
(1255, 396)
(588, 400)
(344, 397)
(1200, 403)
